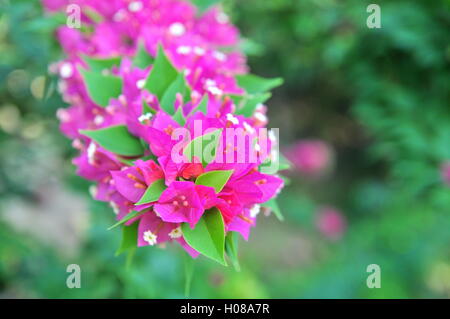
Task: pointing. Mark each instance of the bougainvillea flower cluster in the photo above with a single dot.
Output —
(169, 124)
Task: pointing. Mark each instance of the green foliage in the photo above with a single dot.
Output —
(162, 75)
(208, 236)
(101, 88)
(116, 139)
(153, 192)
(214, 179)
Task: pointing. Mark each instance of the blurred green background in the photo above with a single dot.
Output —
(378, 97)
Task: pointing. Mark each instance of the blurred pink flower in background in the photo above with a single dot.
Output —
(445, 173)
(310, 157)
(331, 222)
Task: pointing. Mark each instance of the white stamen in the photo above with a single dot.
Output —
(150, 238)
(176, 233)
(177, 29)
(66, 70)
(257, 147)
(232, 119)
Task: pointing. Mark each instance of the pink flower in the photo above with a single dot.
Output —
(331, 223)
(311, 157)
(181, 203)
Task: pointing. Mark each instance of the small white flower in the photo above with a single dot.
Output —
(260, 117)
(140, 84)
(99, 120)
(199, 51)
(177, 29)
(66, 70)
(257, 147)
(222, 18)
(135, 6)
(248, 128)
(254, 211)
(184, 49)
(219, 56)
(176, 233)
(233, 119)
(145, 117)
(150, 238)
(210, 83)
(92, 148)
(215, 90)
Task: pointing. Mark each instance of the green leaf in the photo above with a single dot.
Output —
(196, 148)
(179, 118)
(101, 88)
(142, 59)
(93, 15)
(248, 104)
(98, 65)
(130, 216)
(161, 76)
(281, 163)
(215, 179)
(231, 247)
(253, 84)
(208, 236)
(202, 106)
(179, 85)
(147, 109)
(129, 238)
(204, 5)
(116, 139)
(153, 192)
(273, 205)
(284, 163)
